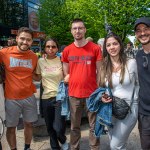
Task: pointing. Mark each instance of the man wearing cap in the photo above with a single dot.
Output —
(142, 33)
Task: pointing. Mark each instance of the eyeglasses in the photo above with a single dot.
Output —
(145, 62)
(146, 29)
(51, 46)
(78, 28)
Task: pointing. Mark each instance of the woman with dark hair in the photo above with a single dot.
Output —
(49, 70)
(120, 74)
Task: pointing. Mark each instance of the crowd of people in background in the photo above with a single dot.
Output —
(84, 66)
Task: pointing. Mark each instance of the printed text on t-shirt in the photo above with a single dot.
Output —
(15, 62)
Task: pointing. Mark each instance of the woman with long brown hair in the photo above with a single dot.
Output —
(120, 74)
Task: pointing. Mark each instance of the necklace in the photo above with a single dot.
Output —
(116, 68)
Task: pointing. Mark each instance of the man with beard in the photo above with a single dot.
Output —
(20, 63)
(142, 32)
(81, 63)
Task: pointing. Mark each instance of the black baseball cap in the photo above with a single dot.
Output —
(142, 20)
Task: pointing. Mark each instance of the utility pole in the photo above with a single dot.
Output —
(108, 27)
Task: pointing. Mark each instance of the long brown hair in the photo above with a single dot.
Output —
(107, 66)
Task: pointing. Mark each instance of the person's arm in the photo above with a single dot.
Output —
(36, 77)
(66, 72)
(136, 81)
(136, 74)
(98, 64)
(37, 72)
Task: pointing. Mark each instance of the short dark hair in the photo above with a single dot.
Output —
(131, 44)
(77, 20)
(25, 29)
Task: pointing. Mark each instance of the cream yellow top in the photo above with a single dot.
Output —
(52, 74)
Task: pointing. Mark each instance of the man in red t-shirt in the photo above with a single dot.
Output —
(81, 63)
(20, 63)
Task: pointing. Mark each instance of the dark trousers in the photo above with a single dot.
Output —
(144, 129)
(77, 105)
(56, 124)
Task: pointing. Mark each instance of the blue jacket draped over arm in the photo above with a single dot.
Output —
(62, 96)
(103, 110)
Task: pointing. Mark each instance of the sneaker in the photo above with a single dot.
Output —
(65, 146)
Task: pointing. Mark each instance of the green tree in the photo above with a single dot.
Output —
(122, 14)
(53, 20)
(56, 15)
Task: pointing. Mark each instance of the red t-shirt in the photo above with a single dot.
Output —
(82, 68)
(19, 67)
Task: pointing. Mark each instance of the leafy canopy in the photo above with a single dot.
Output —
(55, 17)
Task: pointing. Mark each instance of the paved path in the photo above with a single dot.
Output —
(42, 143)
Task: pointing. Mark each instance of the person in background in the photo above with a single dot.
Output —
(100, 43)
(49, 69)
(129, 50)
(142, 33)
(89, 39)
(59, 54)
(20, 63)
(38, 53)
(11, 42)
(120, 74)
(81, 63)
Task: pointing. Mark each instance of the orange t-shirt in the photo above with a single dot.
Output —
(19, 67)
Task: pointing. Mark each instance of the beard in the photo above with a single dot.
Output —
(144, 42)
(23, 47)
(78, 39)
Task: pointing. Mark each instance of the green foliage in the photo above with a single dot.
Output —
(55, 17)
(53, 20)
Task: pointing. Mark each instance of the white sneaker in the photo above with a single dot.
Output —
(65, 146)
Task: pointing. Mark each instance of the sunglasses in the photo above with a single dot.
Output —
(51, 46)
(145, 62)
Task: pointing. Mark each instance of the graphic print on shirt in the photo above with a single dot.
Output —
(81, 59)
(51, 68)
(15, 62)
